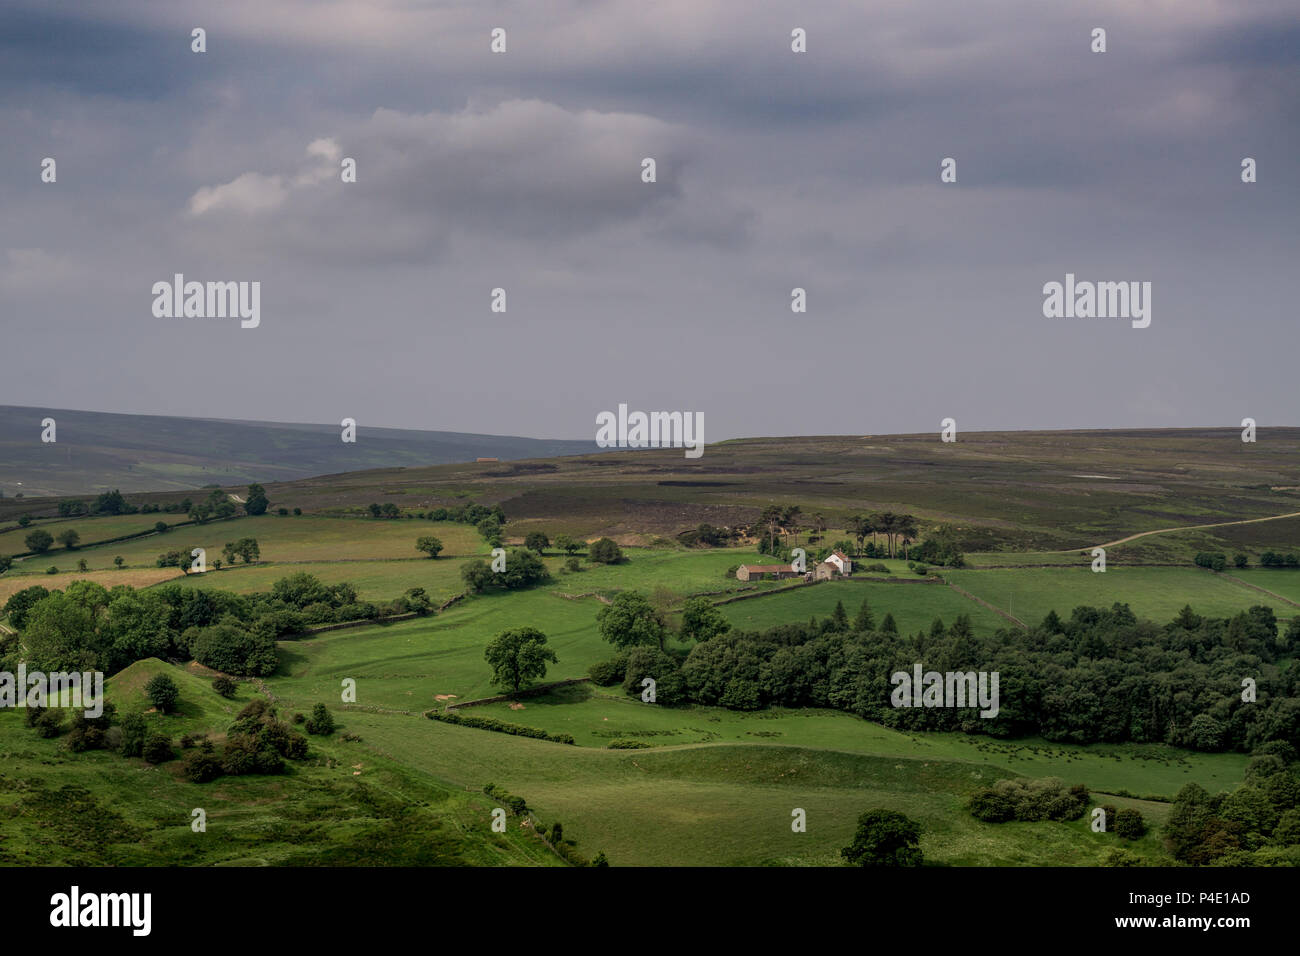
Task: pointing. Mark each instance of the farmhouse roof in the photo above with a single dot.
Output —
(841, 555)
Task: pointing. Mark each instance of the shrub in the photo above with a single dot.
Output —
(134, 731)
(1129, 824)
(621, 744)
(605, 551)
(48, 723)
(201, 766)
(225, 686)
(158, 748)
(608, 673)
(321, 722)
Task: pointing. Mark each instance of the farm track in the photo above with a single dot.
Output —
(1190, 527)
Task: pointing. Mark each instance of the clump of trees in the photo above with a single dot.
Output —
(1029, 800)
(1257, 824)
(246, 548)
(523, 568)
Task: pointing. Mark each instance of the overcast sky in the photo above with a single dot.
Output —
(522, 170)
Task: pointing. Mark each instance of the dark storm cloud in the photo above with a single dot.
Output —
(522, 171)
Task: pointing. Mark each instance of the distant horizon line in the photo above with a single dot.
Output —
(592, 440)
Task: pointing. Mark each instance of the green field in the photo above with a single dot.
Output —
(280, 539)
(914, 605)
(1154, 593)
(712, 786)
(342, 806)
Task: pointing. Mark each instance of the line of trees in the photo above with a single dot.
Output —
(1100, 676)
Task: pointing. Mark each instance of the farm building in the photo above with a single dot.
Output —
(755, 572)
(841, 561)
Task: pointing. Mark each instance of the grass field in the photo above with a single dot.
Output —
(1154, 593)
(731, 804)
(914, 605)
(280, 539)
(340, 806)
(92, 530)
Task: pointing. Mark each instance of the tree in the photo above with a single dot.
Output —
(429, 545)
(225, 686)
(884, 838)
(888, 625)
(537, 541)
(701, 620)
(567, 544)
(19, 606)
(119, 560)
(605, 551)
(631, 620)
(5, 563)
(321, 721)
(839, 618)
(865, 620)
(69, 539)
(39, 541)
(162, 692)
(256, 503)
(518, 657)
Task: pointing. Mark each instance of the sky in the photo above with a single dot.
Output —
(775, 170)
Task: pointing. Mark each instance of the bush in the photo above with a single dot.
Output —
(622, 744)
(1129, 824)
(201, 766)
(225, 686)
(158, 748)
(610, 672)
(162, 693)
(134, 732)
(605, 551)
(321, 722)
(572, 564)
